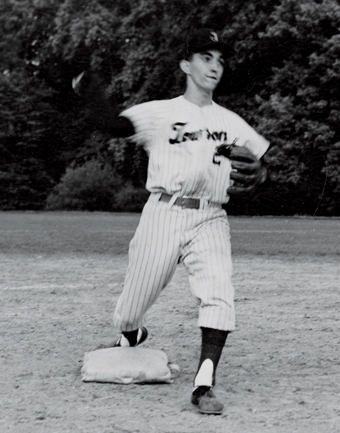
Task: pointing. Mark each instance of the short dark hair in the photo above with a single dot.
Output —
(189, 54)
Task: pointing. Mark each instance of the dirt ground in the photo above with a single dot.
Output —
(280, 370)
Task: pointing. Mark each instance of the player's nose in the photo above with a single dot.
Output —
(215, 68)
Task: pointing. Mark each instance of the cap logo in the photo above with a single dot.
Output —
(213, 37)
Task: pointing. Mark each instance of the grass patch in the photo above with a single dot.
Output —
(110, 233)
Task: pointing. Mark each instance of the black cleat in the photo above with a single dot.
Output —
(205, 399)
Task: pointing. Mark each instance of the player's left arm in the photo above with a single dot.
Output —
(247, 171)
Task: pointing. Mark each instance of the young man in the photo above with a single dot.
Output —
(191, 142)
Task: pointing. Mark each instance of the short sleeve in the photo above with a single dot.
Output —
(249, 138)
(143, 117)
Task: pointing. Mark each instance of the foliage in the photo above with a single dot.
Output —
(130, 199)
(283, 79)
(24, 187)
(91, 186)
(300, 104)
(29, 138)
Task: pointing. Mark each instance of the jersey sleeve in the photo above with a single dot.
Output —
(249, 138)
(143, 117)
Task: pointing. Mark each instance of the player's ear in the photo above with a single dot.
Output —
(185, 66)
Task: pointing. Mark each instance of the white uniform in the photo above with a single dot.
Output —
(181, 139)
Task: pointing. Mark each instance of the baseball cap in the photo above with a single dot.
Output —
(204, 39)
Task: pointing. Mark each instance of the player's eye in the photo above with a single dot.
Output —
(206, 57)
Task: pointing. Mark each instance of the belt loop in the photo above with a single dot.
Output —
(172, 200)
(204, 203)
(158, 196)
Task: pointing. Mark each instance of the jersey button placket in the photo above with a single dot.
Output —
(181, 173)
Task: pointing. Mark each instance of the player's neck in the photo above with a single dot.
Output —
(198, 97)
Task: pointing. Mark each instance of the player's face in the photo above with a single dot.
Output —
(206, 69)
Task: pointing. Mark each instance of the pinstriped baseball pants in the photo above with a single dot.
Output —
(167, 235)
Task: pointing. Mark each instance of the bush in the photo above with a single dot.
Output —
(131, 199)
(92, 186)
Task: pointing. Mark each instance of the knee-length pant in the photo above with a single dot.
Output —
(166, 235)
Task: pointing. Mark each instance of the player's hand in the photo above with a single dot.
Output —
(88, 85)
(77, 83)
(102, 108)
(247, 172)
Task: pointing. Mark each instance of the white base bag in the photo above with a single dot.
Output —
(125, 365)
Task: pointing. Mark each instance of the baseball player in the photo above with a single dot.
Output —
(195, 149)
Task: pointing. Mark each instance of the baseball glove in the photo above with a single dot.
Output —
(247, 171)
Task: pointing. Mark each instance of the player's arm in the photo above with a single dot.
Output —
(104, 109)
(247, 171)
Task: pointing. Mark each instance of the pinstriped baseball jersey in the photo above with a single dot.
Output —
(181, 140)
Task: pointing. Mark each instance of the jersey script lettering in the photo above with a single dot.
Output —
(180, 134)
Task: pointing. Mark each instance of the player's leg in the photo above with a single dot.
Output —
(208, 260)
(153, 256)
(213, 341)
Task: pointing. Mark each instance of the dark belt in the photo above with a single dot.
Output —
(184, 202)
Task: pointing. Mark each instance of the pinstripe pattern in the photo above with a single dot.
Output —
(165, 235)
(181, 140)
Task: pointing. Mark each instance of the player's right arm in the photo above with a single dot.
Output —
(104, 109)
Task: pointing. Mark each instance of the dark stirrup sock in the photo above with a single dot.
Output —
(213, 341)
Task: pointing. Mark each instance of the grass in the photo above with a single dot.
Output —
(110, 233)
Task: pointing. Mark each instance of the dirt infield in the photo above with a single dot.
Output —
(60, 275)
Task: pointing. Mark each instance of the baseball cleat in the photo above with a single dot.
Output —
(133, 338)
(205, 399)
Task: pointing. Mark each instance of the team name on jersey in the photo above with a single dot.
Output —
(179, 134)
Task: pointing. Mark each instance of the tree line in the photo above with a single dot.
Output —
(284, 79)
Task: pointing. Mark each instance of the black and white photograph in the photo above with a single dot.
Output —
(170, 216)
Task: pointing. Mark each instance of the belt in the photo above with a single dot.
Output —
(184, 202)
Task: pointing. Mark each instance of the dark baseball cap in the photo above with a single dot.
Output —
(205, 39)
